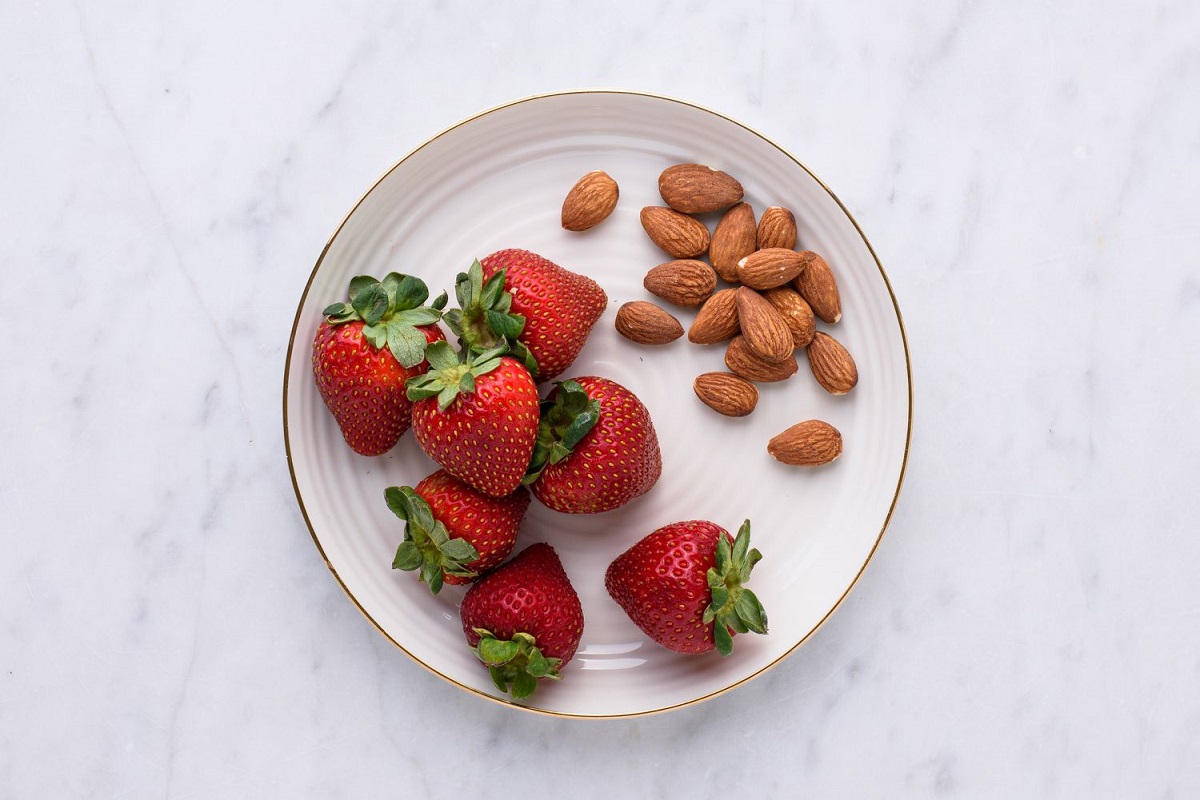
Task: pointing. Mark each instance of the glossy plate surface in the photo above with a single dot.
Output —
(498, 180)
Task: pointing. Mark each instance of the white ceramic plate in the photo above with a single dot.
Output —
(497, 180)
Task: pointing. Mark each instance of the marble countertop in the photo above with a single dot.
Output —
(1030, 625)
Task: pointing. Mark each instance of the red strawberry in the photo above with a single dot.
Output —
(683, 586)
(477, 418)
(596, 449)
(366, 350)
(546, 312)
(524, 620)
(454, 533)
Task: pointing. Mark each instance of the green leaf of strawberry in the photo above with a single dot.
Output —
(565, 420)
(391, 311)
(484, 318)
(427, 545)
(734, 607)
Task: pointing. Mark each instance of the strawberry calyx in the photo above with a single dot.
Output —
(565, 419)
(733, 607)
(391, 310)
(452, 373)
(427, 545)
(515, 664)
(484, 318)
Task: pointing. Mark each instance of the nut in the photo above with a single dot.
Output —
(645, 323)
(807, 444)
(777, 228)
(796, 313)
(684, 282)
(733, 239)
(817, 285)
(743, 361)
(831, 364)
(717, 319)
(697, 189)
(766, 269)
(763, 328)
(726, 393)
(590, 201)
(679, 235)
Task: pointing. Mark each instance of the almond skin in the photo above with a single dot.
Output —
(697, 189)
(795, 311)
(817, 285)
(679, 235)
(733, 239)
(743, 361)
(831, 364)
(684, 282)
(726, 393)
(807, 444)
(645, 323)
(766, 269)
(717, 319)
(590, 201)
(763, 328)
(777, 228)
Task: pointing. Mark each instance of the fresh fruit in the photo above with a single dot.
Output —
(684, 586)
(679, 235)
(717, 320)
(816, 284)
(453, 533)
(366, 349)
(734, 238)
(590, 201)
(645, 323)
(596, 448)
(766, 269)
(477, 417)
(764, 329)
(807, 444)
(831, 364)
(726, 393)
(741, 360)
(546, 309)
(777, 228)
(697, 189)
(684, 282)
(524, 620)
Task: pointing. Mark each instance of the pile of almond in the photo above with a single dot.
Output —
(754, 292)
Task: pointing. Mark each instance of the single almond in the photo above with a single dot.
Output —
(590, 201)
(733, 239)
(726, 393)
(717, 320)
(697, 189)
(678, 234)
(777, 228)
(831, 364)
(817, 285)
(795, 311)
(645, 323)
(763, 328)
(807, 444)
(743, 361)
(766, 269)
(684, 282)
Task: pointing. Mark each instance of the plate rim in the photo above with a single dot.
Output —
(466, 121)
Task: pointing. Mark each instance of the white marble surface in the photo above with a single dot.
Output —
(1027, 172)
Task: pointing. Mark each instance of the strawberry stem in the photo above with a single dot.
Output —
(484, 318)
(515, 664)
(734, 608)
(451, 373)
(565, 419)
(392, 310)
(427, 545)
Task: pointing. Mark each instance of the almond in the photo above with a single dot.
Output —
(777, 228)
(831, 364)
(717, 319)
(590, 201)
(763, 328)
(807, 444)
(733, 239)
(743, 361)
(678, 234)
(646, 323)
(795, 311)
(816, 285)
(684, 282)
(726, 393)
(697, 189)
(766, 269)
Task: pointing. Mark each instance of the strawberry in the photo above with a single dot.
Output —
(683, 586)
(545, 312)
(477, 418)
(453, 533)
(596, 448)
(524, 620)
(364, 352)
